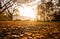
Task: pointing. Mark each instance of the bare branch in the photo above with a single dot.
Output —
(5, 8)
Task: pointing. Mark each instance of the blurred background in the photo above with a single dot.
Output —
(31, 10)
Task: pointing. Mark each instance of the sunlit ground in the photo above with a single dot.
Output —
(29, 30)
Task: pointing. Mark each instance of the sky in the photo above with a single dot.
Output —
(26, 12)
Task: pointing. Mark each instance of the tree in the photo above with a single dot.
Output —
(7, 4)
(50, 9)
(6, 8)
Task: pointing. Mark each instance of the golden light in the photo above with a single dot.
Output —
(27, 11)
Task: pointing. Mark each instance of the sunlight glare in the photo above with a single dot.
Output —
(27, 11)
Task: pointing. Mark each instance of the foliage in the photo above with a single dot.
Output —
(50, 10)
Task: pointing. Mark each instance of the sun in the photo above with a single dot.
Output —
(27, 11)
